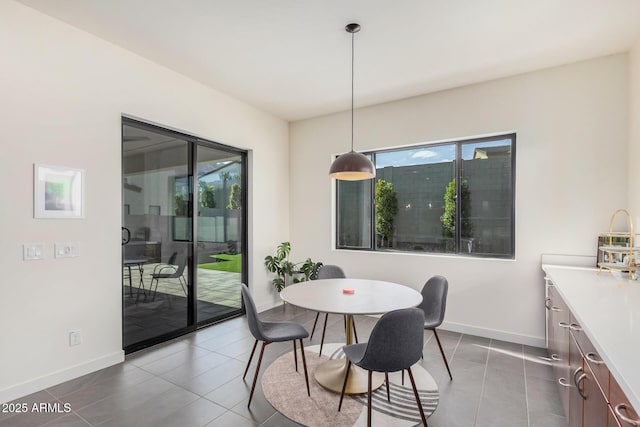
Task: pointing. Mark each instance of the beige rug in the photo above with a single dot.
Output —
(286, 390)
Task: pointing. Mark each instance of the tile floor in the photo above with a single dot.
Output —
(196, 380)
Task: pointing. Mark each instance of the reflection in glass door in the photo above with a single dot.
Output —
(175, 279)
(220, 233)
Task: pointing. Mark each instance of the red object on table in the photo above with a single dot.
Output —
(348, 291)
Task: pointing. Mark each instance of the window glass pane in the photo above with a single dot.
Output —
(487, 198)
(419, 178)
(354, 214)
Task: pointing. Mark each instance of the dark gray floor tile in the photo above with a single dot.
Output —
(195, 414)
(279, 420)
(84, 381)
(499, 408)
(123, 402)
(152, 412)
(112, 385)
(23, 405)
(547, 420)
(231, 419)
(68, 420)
(195, 367)
(231, 393)
(213, 378)
(259, 411)
(156, 352)
(544, 397)
(175, 360)
(237, 348)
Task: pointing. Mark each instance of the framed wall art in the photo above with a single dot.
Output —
(58, 192)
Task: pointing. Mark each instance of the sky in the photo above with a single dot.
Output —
(431, 154)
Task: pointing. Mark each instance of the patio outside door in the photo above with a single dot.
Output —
(184, 228)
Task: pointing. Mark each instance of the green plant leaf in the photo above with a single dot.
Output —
(271, 264)
(278, 283)
(283, 250)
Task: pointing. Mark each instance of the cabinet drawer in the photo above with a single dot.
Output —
(591, 357)
(624, 412)
(612, 420)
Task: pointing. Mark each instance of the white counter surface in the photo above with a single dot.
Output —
(608, 310)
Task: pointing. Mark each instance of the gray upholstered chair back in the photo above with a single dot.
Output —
(331, 272)
(396, 341)
(255, 325)
(434, 300)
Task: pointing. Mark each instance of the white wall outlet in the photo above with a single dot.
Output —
(67, 249)
(75, 338)
(31, 251)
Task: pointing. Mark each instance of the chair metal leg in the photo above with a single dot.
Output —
(314, 325)
(304, 363)
(355, 333)
(155, 290)
(369, 398)
(442, 353)
(324, 329)
(255, 344)
(415, 393)
(130, 287)
(184, 289)
(255, 377)
(386, 380)
(295, 354)
(344, 385)
(402, 377)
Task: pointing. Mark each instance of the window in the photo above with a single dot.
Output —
(455, 197)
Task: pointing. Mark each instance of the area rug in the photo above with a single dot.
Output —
(286, 390)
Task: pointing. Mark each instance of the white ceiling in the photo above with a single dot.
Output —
(292, 58)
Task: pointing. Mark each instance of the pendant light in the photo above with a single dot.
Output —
(352, 166)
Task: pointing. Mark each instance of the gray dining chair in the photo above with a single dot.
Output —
(269, 332)
(176, 273)
(434, 303)
(395, 344)
(330, 272)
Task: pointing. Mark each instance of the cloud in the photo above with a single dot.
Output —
(423, 154)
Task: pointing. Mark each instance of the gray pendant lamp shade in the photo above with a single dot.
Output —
(352, 166)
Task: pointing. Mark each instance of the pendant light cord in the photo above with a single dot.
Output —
(352, 61)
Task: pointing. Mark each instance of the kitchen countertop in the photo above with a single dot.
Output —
(608, 310)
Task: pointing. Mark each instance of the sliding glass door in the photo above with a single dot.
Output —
(183, 233)
(220, 232)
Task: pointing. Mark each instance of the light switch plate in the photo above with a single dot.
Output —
(67, 250)
(32, 251)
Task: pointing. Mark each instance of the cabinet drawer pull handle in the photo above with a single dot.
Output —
(564, 325)
(546, 303)
(591, 357)
(554, 308)
(575, 327)
(555, 357)
(578, 386)
(618, 408)
(563, 382)
(577, 371)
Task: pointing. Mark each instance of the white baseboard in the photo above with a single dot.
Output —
(19, 390)
(493, 334)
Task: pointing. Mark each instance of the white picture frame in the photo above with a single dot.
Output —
(58, 192)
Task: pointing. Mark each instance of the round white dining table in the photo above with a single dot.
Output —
(368, 297)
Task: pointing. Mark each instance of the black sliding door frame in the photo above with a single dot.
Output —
(193, 322)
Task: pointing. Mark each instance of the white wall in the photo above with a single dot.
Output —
(63, 92)
(571, 174)
(634, 134)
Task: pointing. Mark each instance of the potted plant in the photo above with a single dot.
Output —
(283, 268)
